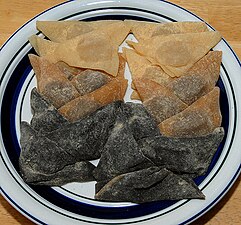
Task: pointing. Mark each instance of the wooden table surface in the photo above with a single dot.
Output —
(223, 15)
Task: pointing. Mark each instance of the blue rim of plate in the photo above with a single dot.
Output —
(8, 120)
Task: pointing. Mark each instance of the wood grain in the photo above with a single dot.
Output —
(223, 15)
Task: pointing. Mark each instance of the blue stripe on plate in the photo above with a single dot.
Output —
(23, 211)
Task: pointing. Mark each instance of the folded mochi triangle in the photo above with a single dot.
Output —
(113, 89)
(60, 31)
(46, 117)
(51, 82)
(159, 100)
(200, 118)
(95, 35)
(121, 153)
(43, 162)
(176, 53)
(140, 67)
(187, 155)
(133, 120)
(86, 104)
(89, 80)
(93, 50)
(145, 30)
(48, 157)
(140, 121)
(85, 138)
(147, 185)
(199, 79)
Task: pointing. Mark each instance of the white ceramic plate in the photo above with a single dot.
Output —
(73, 203)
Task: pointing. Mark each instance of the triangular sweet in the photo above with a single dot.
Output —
(46, 117)
(51, 82)
(89, 80)
(42, 162)
(121, 153)
(199, 79)
(60, 31)
(91, 50)
(200, 118)
(183, 155)
(84, 105)
(85, 138)
(145, 30)
(140, 121)
(148, 88)
(176, 53)
(189, 88)
(148, 185)
(162, 107)
(140, 67)
(137, 123)
(160, 101)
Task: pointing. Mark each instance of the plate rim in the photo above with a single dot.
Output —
(229, 185)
